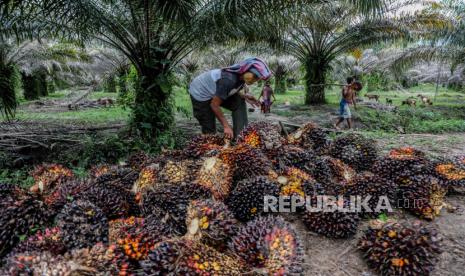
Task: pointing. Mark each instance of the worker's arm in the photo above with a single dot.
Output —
(216, 107)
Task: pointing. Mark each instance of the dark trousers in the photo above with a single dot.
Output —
(207, 119)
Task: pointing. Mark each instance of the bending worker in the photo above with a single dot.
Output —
(226, 88)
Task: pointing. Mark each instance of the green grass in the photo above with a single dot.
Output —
(84, 116)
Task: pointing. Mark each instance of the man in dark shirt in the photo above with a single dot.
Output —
(226, 88)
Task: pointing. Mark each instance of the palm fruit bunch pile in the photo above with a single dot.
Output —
(173, 201)
(354, 149)
(401, 249)
(246, 201)
(118, 176)
(246, 161)
(83, 224)
(117, 227)
(189, 257)
(51, 239)
(21, 213)
(217, 176)
(204, 145)
(310, 136)
(64, 194)
(270, 245)
(336, 224)
(41, 263)
(381, 191)
(262, 135)
(47, 177)
(210, 222)
(139, 160)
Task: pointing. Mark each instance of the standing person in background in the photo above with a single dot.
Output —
(267, 94)
(348, 98)
(223, 88)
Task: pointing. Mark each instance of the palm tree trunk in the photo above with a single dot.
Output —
(122, 82)
(7, 90)
(30, 87)
(280, 85)
(41, 82)
(315, 77)
(153, 110)
(110, 84)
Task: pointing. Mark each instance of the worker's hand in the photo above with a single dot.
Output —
(228, 132)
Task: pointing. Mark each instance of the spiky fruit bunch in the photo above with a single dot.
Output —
(173, 200)
(334, 223)
(423, 195)
(122, 177)
(148, 178)
(202, 145)
(292, 156)
(292, 182)
(176, 172)
(452, 173)
(97, 171)
(248, 162)
(398, 167)
(216, 175)
(378, 189)
(406, 153)
(189, 257)
(354, 149)
(210, 222)
(49, 240)
(246, 201)
(83, 224)
(47, 177)
(270, 245)
(310, 136)
(114, 201)
(41, 263)
(64, 194)
(263, 135)
(101, 260)
(401, 249)
(139, 160)
(19, 215)
(117, 227)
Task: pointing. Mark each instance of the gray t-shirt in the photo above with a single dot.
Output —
(215, 83)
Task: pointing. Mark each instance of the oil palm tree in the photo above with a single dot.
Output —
(282, 67)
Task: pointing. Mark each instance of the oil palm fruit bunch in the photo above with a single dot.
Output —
(423, 195)
(176, 172)
(310, 136)
(248, 162)
(270, 245)
(210, 222)
(20, 214)
(452, 174)
(64, 194)
(401, 249)
(139, 160)
(102, 260)
(51, 240)
(400, 162)
(262, 135)
(216, 175)
(331, 172)
(114, 201)
(122, 177)
(117, 227)
(292, 182)
(246, 201)
(173, 200)
(292, 156)
(163, 223)
(148, 178)
(42, 263)
(333, 224)
(189, 257)
(83, 224)
(354, 149)
(47, 177)
(96, 171)
(378, 189)
(203, 145)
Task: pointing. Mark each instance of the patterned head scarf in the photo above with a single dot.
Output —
(255, 65)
